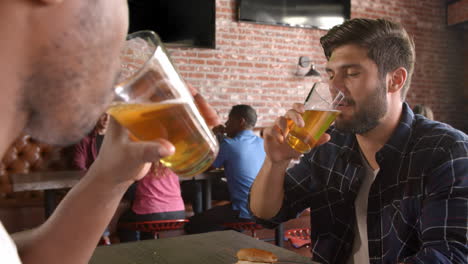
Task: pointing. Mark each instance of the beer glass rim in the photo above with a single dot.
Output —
(144, 34)
(335, 100)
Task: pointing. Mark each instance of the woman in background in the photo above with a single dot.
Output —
(157, 197)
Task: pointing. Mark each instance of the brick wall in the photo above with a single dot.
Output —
(255, 64)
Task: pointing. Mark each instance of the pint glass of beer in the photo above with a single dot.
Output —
(320, 112)
(152, 101)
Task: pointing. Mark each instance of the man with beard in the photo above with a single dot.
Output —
(384, 185)
(60, 60)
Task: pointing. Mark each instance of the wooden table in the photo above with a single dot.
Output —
(208, 248)
(48, 182)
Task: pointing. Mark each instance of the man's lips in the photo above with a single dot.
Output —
(345, 104)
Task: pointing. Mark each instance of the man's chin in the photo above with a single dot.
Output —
(58, 137)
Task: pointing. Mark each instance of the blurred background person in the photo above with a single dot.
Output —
(423, 110)
(241, 155)
(157, 197)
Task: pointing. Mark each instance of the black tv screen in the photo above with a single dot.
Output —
(322, 14)
(186, 23)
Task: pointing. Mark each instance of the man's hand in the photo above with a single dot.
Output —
(122, 159)
(267, 192)
(219, 129)
(206, 110)
(276, 146)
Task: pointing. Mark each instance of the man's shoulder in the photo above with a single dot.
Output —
(434, 134)
(245, 136)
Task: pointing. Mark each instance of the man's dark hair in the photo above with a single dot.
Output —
(245, 111)
(388, 44)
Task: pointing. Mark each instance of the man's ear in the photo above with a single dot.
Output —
(242, 122)
(397, 79)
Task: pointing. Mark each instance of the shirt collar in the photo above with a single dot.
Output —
(391, 156)
(243, 133)
(398, 142)
(394, 146)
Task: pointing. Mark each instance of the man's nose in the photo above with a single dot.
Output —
(337, 85)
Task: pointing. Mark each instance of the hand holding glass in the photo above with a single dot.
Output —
(152, 101)
(320, 112)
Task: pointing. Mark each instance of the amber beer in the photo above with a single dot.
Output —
(303, 139)
(171, 120)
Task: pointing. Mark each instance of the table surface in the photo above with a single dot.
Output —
(50, 180)
(208, 248)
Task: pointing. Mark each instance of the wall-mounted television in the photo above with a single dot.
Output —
(184, 23)
(322, 14)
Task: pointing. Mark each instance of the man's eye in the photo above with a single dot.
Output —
(353, 74)
(330, 77)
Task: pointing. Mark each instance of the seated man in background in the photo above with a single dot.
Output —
(241, 155)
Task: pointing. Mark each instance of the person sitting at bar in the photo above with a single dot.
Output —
(157, 197)
(424, 110)
(241, 155)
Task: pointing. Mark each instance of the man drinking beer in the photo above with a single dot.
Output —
(384, 186)
(59, 62)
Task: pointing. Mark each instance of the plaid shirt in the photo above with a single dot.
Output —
(417, 206)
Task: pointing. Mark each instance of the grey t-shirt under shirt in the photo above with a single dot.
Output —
(360, 253)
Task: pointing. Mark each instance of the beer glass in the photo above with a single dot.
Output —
(152, 101)
(320, 112)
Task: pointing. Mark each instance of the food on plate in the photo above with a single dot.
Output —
(255, 256)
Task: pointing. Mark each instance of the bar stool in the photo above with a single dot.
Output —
(154, 227)
(298, 237)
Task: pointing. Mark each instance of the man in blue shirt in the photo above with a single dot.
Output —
(241, 155)
(385, 185)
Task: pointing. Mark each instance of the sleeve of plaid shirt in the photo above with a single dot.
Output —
(444, 217)
(443, 224)
(297, 194)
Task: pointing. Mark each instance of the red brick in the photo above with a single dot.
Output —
(255, 63)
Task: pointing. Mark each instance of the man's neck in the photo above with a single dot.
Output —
(12, 118)
(12, 70)
(372, 141)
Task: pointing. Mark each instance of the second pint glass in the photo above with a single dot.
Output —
(152, 101)
(320, 112)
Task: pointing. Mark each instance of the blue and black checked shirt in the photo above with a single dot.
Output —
(417, 206)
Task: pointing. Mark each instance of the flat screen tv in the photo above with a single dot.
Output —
(186, 23)
(322, 14)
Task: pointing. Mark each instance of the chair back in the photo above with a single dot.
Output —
(27, 155)
(298, 237)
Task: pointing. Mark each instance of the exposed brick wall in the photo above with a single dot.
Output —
(255, 64)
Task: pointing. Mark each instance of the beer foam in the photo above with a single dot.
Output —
(323, 110)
